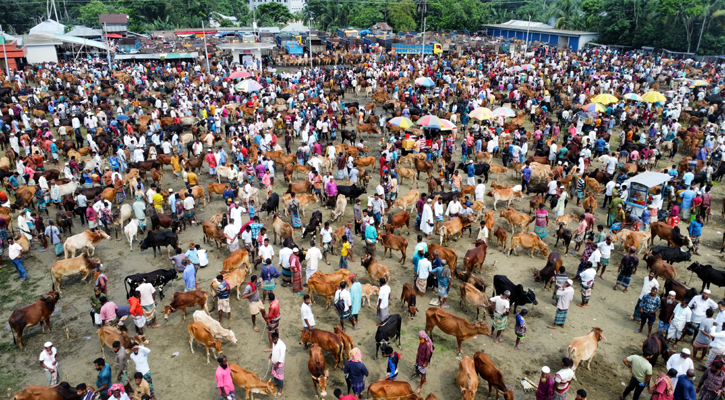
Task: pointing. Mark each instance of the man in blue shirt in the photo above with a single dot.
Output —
(695, 231)
(525, 178)
(685, 389)
(470, 174)
(104, 379)
(192, 255)
(688, 177)
(228, 194)
(189, 276)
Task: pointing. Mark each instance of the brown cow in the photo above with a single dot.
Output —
(488, 220)
(501, 238)
(408, 296)
(468, 277)
(181, 300)
(78, 265)
(316, 366)
(393, 242)
(212, 232)
(326, 340)
(250, 382)
(408, 173)
(397, 390)
(516, 219)
(582, 348)
(281, 229)
(376, 270)
(506, 195)
(236, 259)
(365, 162)
(660, 266)
(289, 169)
(107, 335)
(590, 202)
(528, 240)
(467, 379)
(336, 277)
(498, 170)
(397, 221)
(300, 187)
(235, 279)
(423, 166)
(410, 199)
(305, 199)
(474, 258)
(216, 188)
(488, 371)
(452, 325)
(444, 253)
(319, 286)
(469, 294)
(452, 227)
(202, 334)
(347, 341)
(367, 127)
(61, 391)
(665, 232)
(38, 312)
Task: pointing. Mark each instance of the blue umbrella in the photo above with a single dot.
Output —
(122, 117)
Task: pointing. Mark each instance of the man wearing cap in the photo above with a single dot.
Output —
(545, 388)
(49, 362)
(699, 305)
(422, 272)
(470, 174)
(426, 220)
(650, 281)
(500, 315)
(680, 362)
(666, 309)
(627, 268)
(565, 296)
(679, 321)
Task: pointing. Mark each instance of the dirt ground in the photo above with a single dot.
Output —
(78, 344)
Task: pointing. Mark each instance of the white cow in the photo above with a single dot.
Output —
(131, 230)
(214, 326)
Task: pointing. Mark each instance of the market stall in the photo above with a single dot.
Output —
(639, 188)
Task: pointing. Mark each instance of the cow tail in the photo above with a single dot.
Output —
(52, 281)
(340, 352)
(289, 188)
(571, 352)
(442, 232)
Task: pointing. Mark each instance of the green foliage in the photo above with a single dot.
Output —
(90, 12)
(225, 23)
(276, 12)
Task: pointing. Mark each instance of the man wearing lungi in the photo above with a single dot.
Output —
(500, 315)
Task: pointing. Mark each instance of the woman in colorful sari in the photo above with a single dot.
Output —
(296, 268)
(542, 220)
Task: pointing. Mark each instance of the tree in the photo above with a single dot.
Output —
(277, 12)
(89, 13)
(401, 15)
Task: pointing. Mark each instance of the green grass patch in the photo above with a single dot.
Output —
(11, 380)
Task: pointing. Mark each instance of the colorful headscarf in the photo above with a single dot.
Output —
(356, 355)
(114, 387)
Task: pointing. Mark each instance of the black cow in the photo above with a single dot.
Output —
(518, 297)
(158, 240)
(681, 291)
(5, 91)
(349, 136)
(717, 176)
(315, 222)
(387, 332)
(271, 205)
(91, 193)
(445, 196)
(708, 275)
(478, 169)
(351, 192)
(700, 178)
(671, 254)
(158, 278)
(655, 345)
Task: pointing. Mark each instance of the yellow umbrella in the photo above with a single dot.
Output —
(701, 82)
(481, 113)
(604, 98)
(653, 97)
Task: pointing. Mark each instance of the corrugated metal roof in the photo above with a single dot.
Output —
(157, 56)
(116, 19)
(40, 40)
(295, 27)
(84, 31)
(48, 26)
(524, 24)
(547, 29)
(77, 40)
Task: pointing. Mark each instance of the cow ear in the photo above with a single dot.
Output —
(327, 373)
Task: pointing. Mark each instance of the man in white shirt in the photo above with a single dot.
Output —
(717, 346)
(266, 251)
(681, 317)
(566, 295)
(140, 357)
(342, 294)
(284, 256)
(501, 306)
(277, 358)
(453, 209)
(383, 301)
(587, 282)
(681, 362)
(699, 305)
(49, 362)
(148, 302)
(308, 319)
(480, 191)
(313, 257)
(231, 232)
(422, 272)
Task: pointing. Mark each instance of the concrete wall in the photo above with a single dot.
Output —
(41, 53)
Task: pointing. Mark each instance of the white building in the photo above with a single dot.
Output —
(41, 48)
(292, 5)
(297, 5)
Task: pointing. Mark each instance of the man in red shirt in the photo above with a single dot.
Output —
(338, 394)
(136, 310)
(211, 160)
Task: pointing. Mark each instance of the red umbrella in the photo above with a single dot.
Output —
(240, 75)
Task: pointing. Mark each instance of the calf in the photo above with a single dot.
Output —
(214, 326)
(501, 237)
(408, 295)
(78, 265)
(86, 240)
(528, 240)
(393, 242)
(469, 294)
(452, 325)
(316, 366)
(518, 297)
(367, 291)
(475, 257)
(546, 274)
(491, 374)
(158, 279)
(212, 232)
(38, 312)
(250, 382)
(467, 379)
(582, 348)
(389, 390)
(387, 332)
(326, 340)
(181, 300)
(708, 275)
(157, 240)
(107, 335)
(202, 334)
(397, 221)
(565, 236)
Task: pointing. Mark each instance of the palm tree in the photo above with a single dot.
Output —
(712, 10)
(568, 14)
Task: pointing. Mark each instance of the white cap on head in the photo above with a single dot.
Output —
(569, 281)
(672, 293)
(545, 369)
(295, 250)
(685, 351)
(706, 291)
(48, 344)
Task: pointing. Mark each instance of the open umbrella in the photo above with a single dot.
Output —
(430, 121)
(633, 96)
(604, 98)
(240, 75)
(594, 107)
(426, 82)
(481, 113)
(122, 117)
(701, 82)
(505, 112)
(401, 122)
(247, 86)
(584, 115)
(447, 125)
(653, 97)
